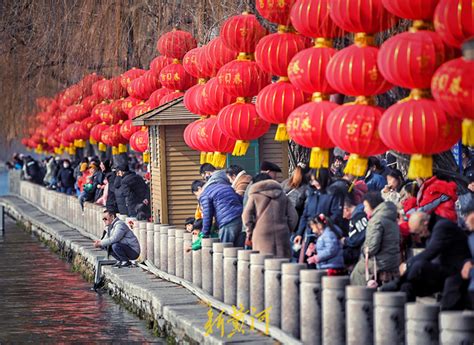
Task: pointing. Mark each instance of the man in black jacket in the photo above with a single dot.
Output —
(65, 178)
(133, 189)
(444, 255)
(358, 221)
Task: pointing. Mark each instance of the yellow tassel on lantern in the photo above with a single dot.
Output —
(93, 141)
(210, 157)
(421, 166)
(146, 157)
(202, 158)
(102, 147)
(122, 148)
(72, 150)
(115, 150)
(319, 158)
(356, 166)
(240, 148)
(79, 143)
(281, 133)
(219, 159)
(468, 132)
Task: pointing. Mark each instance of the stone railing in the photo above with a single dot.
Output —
(303, 305)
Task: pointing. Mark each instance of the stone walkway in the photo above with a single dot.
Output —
(174, 310)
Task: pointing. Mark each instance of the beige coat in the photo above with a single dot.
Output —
(241, 182)
(269, 217)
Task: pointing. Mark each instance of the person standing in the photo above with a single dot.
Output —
(269, 217)
(239, 179)
(66, 178)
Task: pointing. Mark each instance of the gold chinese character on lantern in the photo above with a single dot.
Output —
(227, 78)
(296, 123)
(243, 32)
(352, 128)
(442, 81)
(455, 86)
(176, 76)
(306, 126)
(366, 129)
(373, 73)
(294, 67)
(281, 3)
(422, 61)
(237, 79)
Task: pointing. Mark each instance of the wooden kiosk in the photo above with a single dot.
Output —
(174, 166)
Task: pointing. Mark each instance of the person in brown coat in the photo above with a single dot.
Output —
(269, 217)
(239, 179)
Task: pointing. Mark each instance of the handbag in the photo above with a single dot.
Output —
(371, 281)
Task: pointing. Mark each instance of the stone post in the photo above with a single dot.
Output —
(389, 318)
(142, 240)
(421, 327)
(206, 264)
(218, 269)
(164, 248)
(310, 304)
(178, 234)
(334, 310)
(187, 257)
(257, 281)
(272, 289)
(230, 275)
(456, 327)
(156, 245)
(359, 315)
(290, 298)
(243, 278)
(171, 251)
(150, 241)
(197, 268)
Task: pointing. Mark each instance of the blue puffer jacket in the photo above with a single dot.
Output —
(329, 251)
(375, 182)
(219, 200)
(471, 273)
(318, 202)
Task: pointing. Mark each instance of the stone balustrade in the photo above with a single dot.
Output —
(306, 305)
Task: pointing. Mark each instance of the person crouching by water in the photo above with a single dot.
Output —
(123, 242)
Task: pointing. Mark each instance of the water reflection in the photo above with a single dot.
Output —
(41, 300)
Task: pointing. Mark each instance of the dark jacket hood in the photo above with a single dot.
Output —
(269, 188)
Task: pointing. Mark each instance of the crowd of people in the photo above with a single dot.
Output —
(369, 227)
(120, 187)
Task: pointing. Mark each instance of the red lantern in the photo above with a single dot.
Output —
(130, 75)
(274, 52)
(190, 63)
(454, 21)
(275, 11)
(127, 129)
(90, 102)
(411, 9)
(187, 136)
(139, 141)
(241, 122)
(242, 32)
(135, 89)
(138, 110)
(354, 128)
(213, 98)
(158, 63)
(87, 125)
(353, 71)
(307, 69)
(242, 78)
(174, 77)
(191, 101)
(206, 67)
(411, 126)
(112, 89)
(452, 87)
(409, 59)
(275, 103)
(175, 44)
(307, 127)
(367, 16)
(112, 113)
(76, 113)
(216, 141)
(151, 83)
(156, 96)
(218, 53)
(171, 97)
(311, 18)
(129, 102)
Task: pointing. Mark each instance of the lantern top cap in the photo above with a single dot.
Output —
(361, 39)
